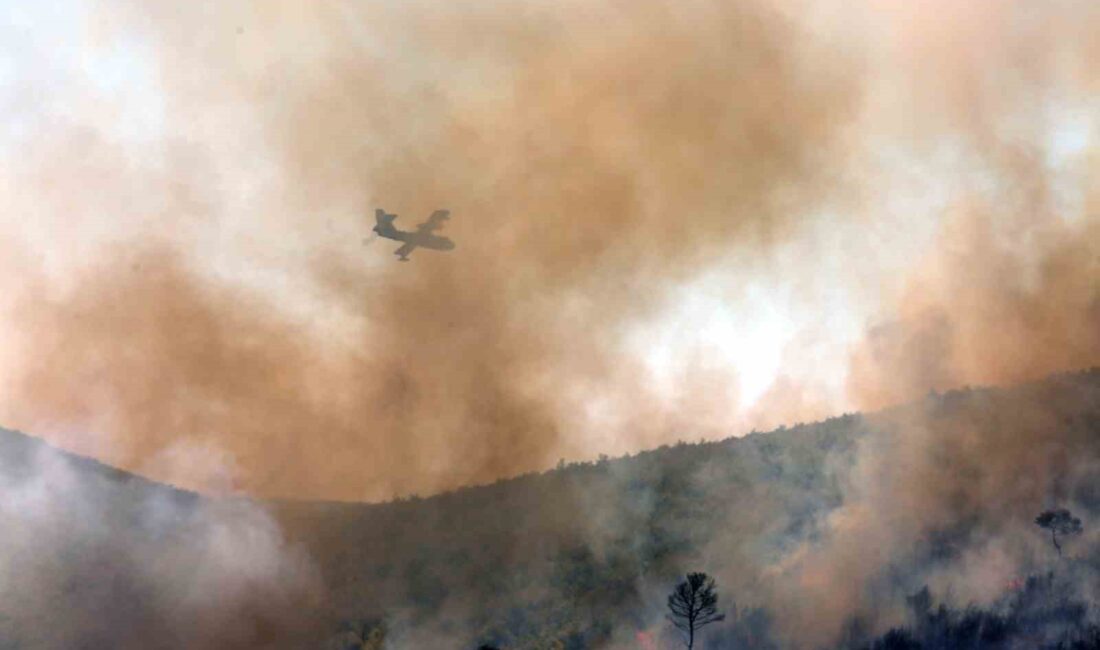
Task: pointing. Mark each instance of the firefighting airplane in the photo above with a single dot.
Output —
(422, 237)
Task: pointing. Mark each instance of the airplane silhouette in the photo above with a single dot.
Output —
(421, 237)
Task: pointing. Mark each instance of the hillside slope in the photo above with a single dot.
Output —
(807, 529)
(583, 555)
(94, 557)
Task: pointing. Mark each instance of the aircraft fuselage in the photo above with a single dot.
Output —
(413, 239)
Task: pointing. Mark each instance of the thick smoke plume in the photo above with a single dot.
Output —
(186, 267)
(592, 156)
(1009, 291)
(199, 274)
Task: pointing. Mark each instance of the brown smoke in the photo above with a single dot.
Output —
(1009, 291)
(592, 157)
(199, 307)
(982, 313)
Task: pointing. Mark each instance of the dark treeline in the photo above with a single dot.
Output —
(1046, 612)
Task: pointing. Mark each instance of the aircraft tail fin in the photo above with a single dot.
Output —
(384, 223)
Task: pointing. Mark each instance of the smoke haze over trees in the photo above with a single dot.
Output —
(806, 529)
(515, 565)
(691, 220)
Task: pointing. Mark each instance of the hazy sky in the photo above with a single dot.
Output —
(673, 220)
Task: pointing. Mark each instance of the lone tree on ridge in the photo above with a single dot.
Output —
(694, 604)
(1059, 522)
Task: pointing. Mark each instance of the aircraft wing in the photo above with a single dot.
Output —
(434, 222)
(404, 251)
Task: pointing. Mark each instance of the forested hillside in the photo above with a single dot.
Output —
(860, 531)
(576, 553)
(584, 555)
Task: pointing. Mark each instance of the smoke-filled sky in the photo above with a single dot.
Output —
(673, 220)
